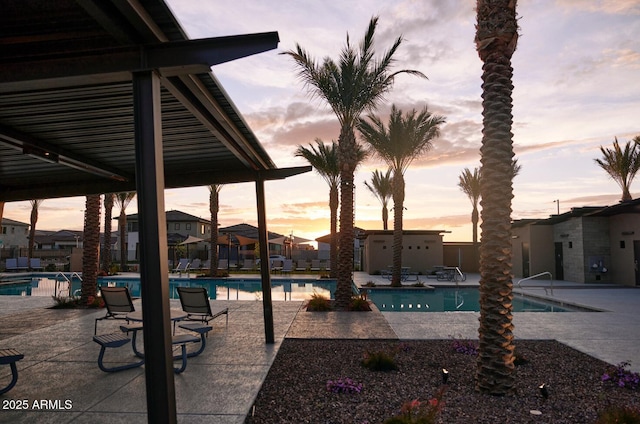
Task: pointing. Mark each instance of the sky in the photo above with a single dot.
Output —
(576, 87)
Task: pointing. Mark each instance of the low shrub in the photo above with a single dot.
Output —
(619, 415)
(419, 412)
(359, 303)
(66, 302)
(379, 361)
(346, 385)
(621, 376)
(318, 303)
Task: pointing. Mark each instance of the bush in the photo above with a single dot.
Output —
(379, 361)
(318, 303)
(359, 303)
(51, 268)
(63, 302)
(619, 415)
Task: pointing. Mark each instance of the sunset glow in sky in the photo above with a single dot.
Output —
(576, 87)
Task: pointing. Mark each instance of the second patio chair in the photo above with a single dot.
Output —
(195, 302)
(118, 302)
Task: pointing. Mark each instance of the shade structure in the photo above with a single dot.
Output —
(104, 96)
(192, 239)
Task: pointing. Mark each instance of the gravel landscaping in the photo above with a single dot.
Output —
(295, 390)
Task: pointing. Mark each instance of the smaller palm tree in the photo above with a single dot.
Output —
(406, 137)
(214, 208)
(469, 183)
(381, 187)
(123, 200)
(324, 159)
(35, 204)
(108, 217)
(621, 165)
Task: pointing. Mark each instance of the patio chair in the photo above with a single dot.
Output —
(302, 265)
(10, 357)
(248, 265)
(118, 302)
(223, 264)
(315, 265)
(23, 263)
(36, 264)
(11, 264)
(287, 266)
(183, 265)
(195, 302)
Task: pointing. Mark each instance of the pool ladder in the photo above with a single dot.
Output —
(67, 280)
(536, 276)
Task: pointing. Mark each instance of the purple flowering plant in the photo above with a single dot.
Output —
(621, 376)
(467, 347)
(344, 385)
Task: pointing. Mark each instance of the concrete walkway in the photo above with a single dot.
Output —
(220, 385)
(612, 335)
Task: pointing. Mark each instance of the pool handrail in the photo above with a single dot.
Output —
(536, 276)
(67, 279)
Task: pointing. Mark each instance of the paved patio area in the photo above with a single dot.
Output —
(219, 386)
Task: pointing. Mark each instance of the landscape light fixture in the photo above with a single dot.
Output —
(445, 376)
(544, 391)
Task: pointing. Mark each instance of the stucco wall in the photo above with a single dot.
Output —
(421, 252)
(624, 229)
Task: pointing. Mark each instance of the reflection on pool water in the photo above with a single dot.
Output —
(225, 289)
(450, 300)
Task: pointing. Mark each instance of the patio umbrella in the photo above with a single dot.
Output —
(191, 240)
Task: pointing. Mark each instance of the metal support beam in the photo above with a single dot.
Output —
(265, 272)
(154, 268)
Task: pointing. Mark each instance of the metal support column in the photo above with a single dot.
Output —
(154, 268)
(265, 272)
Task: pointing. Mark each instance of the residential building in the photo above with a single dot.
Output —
(422, 250)
(15, 234)
(584, 245)
(180, 226)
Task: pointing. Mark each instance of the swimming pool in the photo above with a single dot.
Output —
(450, 299)
(225, 289)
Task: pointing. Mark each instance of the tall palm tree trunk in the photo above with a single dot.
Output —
(108, 217)
(214, 208)
(474, 223)
(91, 247)
(124, 251)
(398, 208)
(496, 39)
(385, 217)
(347, 162)
(334, 204)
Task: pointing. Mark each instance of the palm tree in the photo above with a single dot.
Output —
(469, 183)
(35, 204)
(355, 83)
(90, 247)
(214, 208)
(406, 138)
(123, 200)
(324, 159)
(496, 39)
(382, 188)
(106, 251)
(621, 165)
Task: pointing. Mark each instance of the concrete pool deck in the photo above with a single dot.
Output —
(219, 386)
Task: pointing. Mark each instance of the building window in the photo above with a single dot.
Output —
(384, 247)
(202, 229)
(418, 247)
(570, 245)
(622, 244)
(176, 226)
(188, 226)
(4, 230)
(409, 247)
(13, 230)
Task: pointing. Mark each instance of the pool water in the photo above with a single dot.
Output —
(225, 289)
(449, 300)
